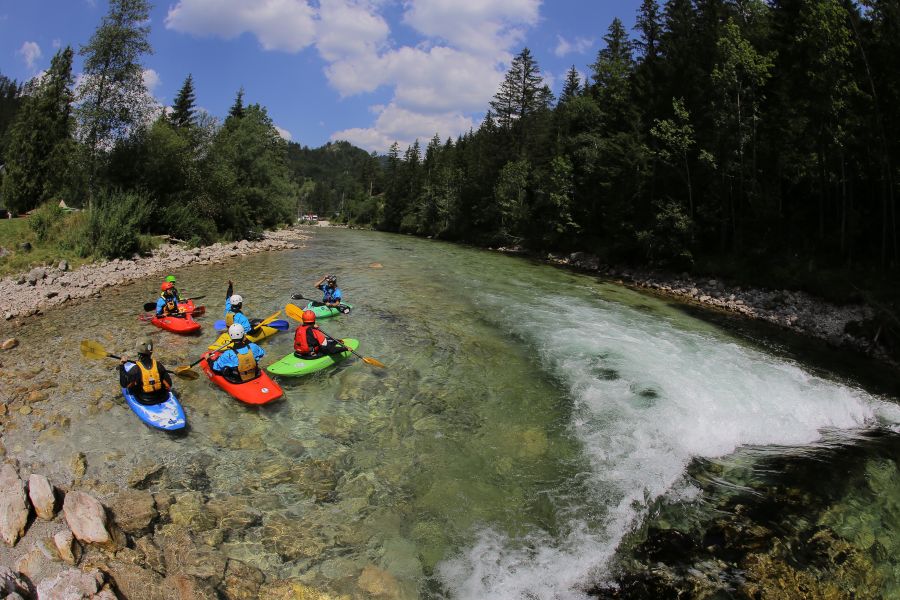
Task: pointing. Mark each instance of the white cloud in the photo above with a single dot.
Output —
(30, 52)
(151, 79)
(436, 85)
(285, 25)
(395, 123)
(284, 133)
(579, 46)
(487, 28)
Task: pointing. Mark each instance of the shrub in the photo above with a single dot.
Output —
(44, 219)
(116, 222)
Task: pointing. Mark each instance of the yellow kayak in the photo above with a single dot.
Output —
(258, 335)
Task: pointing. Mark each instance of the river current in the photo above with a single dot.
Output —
(530, 419)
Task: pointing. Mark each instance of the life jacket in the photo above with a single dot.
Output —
(328, 293)
(246, 365)
(150, 380)
(229, 319)
(308, 340)
(171, 307)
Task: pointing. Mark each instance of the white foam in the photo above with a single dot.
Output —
(681, 392)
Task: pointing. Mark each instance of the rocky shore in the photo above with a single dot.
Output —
(850, 326)
(41, 288)
(62, 543)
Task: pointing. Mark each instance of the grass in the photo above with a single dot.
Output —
(17, 231)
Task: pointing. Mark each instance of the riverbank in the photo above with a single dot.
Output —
(30, 293)
(857, 327)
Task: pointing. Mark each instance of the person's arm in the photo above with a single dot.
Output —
(164, 375)
(125, 378)
(319, 283)
(257, 350)
(160, 304)
(230, 291)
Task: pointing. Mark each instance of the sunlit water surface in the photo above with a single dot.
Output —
(527, 418)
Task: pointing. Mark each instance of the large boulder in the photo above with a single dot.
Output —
(86, 518)
(13, 505)
(42, 498)
(71, 584)
(242, 581)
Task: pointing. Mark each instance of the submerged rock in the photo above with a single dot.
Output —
(13, 505)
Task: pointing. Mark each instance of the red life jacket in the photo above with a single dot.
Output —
(308, 340)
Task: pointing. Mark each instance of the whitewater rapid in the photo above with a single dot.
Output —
(650, 389)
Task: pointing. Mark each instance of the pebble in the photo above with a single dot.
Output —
(10, 343)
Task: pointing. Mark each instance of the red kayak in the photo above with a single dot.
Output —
(183, 324)
(260, 390)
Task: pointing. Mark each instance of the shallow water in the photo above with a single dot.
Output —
(527, 420)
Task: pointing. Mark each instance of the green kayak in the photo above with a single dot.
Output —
(291, 366)
(326, 312)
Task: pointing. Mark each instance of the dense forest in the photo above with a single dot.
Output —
(718, 135)
(741, 134)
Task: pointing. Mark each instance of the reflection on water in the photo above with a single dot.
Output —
(527, 420)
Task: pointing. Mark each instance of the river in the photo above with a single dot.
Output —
(533, 429)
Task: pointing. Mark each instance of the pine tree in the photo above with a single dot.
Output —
(572, 85)
(237, 109)
(611, 74)
(519, 95)
(183, 107)
(41, 149)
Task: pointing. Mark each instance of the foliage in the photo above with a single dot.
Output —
(114, 225)
(40, 167)
(44, 219)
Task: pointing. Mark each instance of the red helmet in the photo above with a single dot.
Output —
(309, 317)
(167, 285)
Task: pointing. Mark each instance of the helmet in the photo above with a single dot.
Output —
(167, 285)
(331, 280)
(236, 332)
(170, 278)
(144, 346)
(236, 300)
(309, 317)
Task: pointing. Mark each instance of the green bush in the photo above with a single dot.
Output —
(43, 220)
(116, 222)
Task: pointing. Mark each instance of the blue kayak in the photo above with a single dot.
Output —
(168, 415)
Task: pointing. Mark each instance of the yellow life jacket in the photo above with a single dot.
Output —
(229, 319)
(150, 379)
(246, 365)
(171, 307)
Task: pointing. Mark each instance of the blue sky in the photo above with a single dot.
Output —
(369, 71)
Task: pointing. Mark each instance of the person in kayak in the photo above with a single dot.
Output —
(309, 342)
(145, 377)
(331, 293)
(233, 314)
(167, 305)
(171, 279)
(238, 363)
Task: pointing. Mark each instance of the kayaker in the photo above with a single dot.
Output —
(167, 304)
(233, 314)
(145, 377)
(309, 342)
(171, 279)
(331, 293)
(238, 363)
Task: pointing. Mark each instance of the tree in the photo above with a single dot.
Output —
(572, 85)
(40, 157)
(520, 93)
(9, 105)
(611, 73)
(237, 109)
(113, 98)
(677, 138)
(183, 107)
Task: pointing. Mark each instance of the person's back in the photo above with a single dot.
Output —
(146, 378)
(239, 363)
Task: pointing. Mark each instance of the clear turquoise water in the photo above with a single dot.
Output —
(526, 420)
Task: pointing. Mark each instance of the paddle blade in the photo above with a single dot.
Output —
(270, 318)
(294, 312)
(90, 349)
(186, 372)
(150, 306)
(371, 361)
(280, 325)
(220, 325)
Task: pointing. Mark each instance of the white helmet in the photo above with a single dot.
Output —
(236, 299)
(236, 332)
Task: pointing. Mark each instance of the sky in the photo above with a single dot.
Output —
(368, 71)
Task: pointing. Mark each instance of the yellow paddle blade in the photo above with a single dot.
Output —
(294, 312)
(371, 361)
(186, 372)
(91, 349)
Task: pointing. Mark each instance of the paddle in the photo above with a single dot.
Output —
(187, 372)
(95, 350)
(296, 313)
(280, 325)
(341, 307)
(152, 305)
